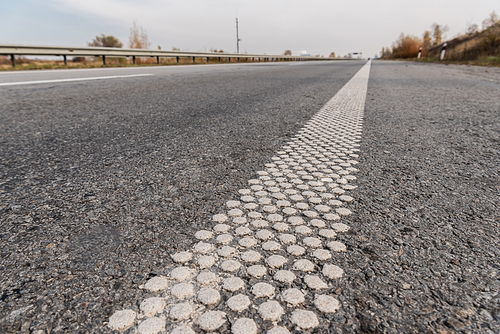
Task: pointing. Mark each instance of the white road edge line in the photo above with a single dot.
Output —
(272, 257)
(72, 79)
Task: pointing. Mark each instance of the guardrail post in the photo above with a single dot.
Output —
(158, 60)
(194, 60)
(13, 59)
(208, 60)
(177, 58)
(219, 59)
(65, 60)
(133, 60)
(104, 60)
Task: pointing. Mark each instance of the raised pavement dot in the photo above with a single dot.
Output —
(206, 261)
(287, 238)
(315, 282)
(211, 320)
(303, 265)
(247, 242)
(336, 246)
(182, 290)
(208, 296)
(230, 265)
(226, 251)
(221, 228)
(182, 330)
(271, 246)
(157, 283)
(182, 257)
(312, 242)
(181, 273)
(244, 326)
(276, 261)
(326, 304)
(271, 310)
(278, 330)
(322, 254)
(203, 247)
(238, 303)
(203, 235)
(259, 223)
(250, 256)
(219, 218)
(207, 277)
(293, 296)
(257, 271)
(122, 320)
(181, 311)
(151, 326)
(304, 319)
(262, 290)
(284, 276)
(233, 284)
(327, 233)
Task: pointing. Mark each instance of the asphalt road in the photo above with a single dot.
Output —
(103, 180)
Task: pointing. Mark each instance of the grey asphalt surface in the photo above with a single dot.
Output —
(101, 180)
(424, 253)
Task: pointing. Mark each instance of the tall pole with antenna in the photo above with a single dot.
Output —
(237, 38)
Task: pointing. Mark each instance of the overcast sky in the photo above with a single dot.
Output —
(266, 26)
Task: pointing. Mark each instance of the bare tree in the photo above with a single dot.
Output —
(490, 20)
(287, 53)
(332, 55)
(138, 38)
(386, 52)
(427, 40)
(472, 29)
(437, 33)
(106, 41)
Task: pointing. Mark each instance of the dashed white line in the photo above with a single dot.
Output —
(272, 254)
(73, 79)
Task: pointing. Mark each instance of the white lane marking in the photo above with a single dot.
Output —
(252, 255)
(73, 79)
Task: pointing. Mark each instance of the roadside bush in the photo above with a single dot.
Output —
(406, 46)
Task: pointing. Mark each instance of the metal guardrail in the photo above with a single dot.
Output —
(30, 50)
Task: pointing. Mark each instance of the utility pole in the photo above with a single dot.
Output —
(237, 38)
